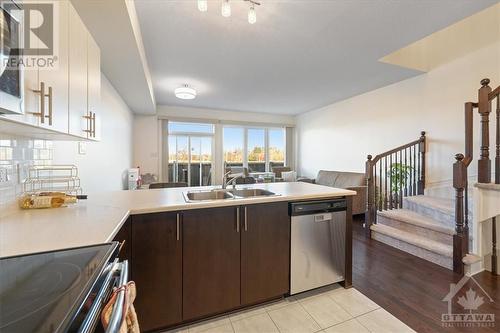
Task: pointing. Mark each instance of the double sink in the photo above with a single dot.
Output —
(223, 194)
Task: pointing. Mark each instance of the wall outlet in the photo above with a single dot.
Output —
(82, 148)
(4, 177)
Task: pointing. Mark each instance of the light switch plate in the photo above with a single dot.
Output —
(82, 148)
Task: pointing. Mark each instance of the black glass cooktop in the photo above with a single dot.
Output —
(42, 292)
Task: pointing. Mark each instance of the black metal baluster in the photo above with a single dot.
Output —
(385, 183)
(380, 198)
(390, 182)
(405, 175)
(401, 171)
(410, 182)
(415, 170)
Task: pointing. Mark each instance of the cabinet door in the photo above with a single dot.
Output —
(157, 269)
(56, 78)
(211, 261)
(265, 252)
(78, 34)
(94, 85)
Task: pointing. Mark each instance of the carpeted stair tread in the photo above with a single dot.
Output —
(416, 240)
(416, 219)
(444, 205)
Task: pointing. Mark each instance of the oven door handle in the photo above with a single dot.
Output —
(118, 312)
(94, 313)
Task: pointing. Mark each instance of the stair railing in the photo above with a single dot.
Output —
(460, 177)
(393, 175)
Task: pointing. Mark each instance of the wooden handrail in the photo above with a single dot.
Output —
(395, 150)
(393, 175)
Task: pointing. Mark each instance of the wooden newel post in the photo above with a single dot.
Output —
(460, 239)
(484, 107)
(421, 149)
(370, 208)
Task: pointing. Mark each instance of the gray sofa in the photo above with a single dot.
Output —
(347, 180)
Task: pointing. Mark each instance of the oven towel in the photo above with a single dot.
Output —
(130, 324)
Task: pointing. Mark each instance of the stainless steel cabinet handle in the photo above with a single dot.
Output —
(41, 92)
(178, 225)
(49, 95)
(246, 219)
(237, 219)
(88, 119)
(93, 125)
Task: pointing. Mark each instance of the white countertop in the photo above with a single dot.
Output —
(98, 219)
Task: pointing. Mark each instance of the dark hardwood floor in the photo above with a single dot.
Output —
(412, 289)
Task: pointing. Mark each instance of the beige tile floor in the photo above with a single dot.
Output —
(328, 310)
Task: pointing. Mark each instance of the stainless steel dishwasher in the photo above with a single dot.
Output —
(317, 244)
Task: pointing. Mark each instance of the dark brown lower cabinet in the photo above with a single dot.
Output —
(265, 252)
(211, 261)
(157, 269)
(124, 236)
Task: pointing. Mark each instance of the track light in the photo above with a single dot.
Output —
(226, 8)
(202, 5)
(252, 15)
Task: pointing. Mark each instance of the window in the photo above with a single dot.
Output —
(255, 148)
(190, 153)
(277, 146)
(233, 146)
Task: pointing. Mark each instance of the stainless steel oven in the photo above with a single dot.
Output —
(11, 72)
(62, 291)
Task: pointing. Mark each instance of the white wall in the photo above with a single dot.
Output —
(339, 136)
(103, 166)
(146, 144)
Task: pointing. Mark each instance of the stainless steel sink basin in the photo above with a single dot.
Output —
(251, 192)
(207, 195)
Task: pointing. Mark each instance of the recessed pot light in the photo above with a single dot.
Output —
(185, 92)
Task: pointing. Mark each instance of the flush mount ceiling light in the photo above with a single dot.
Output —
(202, 5)
(185, 92)
(226, 9)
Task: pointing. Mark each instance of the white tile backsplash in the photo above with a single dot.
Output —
(16, 155)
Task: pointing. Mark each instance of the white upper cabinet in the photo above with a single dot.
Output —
(79, 122)
(64, 98)
(94, 86)
(55, 80)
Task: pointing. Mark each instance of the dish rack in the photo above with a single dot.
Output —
(53, 178)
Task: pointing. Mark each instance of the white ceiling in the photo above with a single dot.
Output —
(300, 55)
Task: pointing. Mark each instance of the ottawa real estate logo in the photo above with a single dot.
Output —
(465, 300)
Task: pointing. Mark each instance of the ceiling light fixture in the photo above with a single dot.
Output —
(252, 15)
(226, 8)
(202, 5)
(185, 92)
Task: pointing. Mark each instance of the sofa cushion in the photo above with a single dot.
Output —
(349, 179)
(326, 178)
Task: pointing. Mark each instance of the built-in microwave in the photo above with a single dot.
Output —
(11, 73)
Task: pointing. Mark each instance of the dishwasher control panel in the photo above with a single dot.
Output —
(317, 207)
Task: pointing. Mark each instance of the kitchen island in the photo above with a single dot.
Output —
(190, 260)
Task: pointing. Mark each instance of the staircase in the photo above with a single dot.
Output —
(400, 215)
(424, 227)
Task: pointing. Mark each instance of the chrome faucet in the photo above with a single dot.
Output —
(232, 181)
